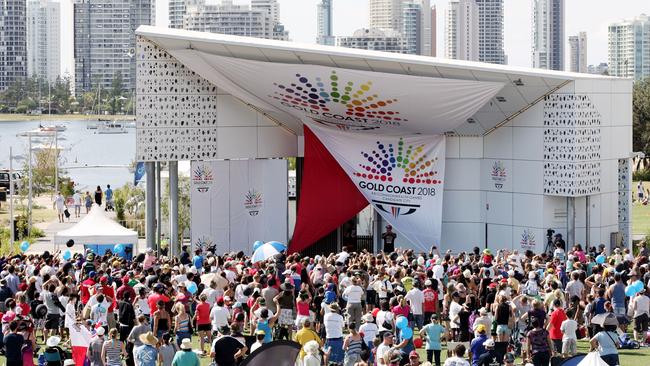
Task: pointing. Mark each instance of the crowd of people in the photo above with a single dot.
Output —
(349, 308)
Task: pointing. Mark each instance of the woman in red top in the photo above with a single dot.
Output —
(202, 319)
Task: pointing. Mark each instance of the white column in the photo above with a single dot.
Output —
(173, 209)
(570, 221)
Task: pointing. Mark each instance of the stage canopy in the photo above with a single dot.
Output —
(458, 97)
(95, 228)
(372, 124)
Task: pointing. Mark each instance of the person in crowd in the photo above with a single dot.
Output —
(13, 341)
(181, 323)
(167, 350)
(606, 342)
(187, 357)
(147, 353)
(569, 327)
(352, 345)
(640, 309)
(558, 316)
(98, 196)
(458, 358)
(113, 349)
(432, 334)
(540, 346)
(88, 202)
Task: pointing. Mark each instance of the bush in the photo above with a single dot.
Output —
(642, 174)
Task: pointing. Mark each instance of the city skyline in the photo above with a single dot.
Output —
(299, 17)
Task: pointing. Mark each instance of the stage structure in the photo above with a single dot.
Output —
(453, 153)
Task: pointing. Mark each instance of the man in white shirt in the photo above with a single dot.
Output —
(219, 315)
(333, 322)
(455, 309)
(640, 309)
(383, 287)
(415, 297)
(76, 198)
(353, 295)
(575, 287)
(59, 206)
(384, 349)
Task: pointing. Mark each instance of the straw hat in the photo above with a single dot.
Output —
(53, 341)
(148, 338)
(186, 343)
(335, 307)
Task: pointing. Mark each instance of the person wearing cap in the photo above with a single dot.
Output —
(484, 319)
(383, 350)
(186, 357)
(454, 314)
(306, 334)
(491, 356)
(414, 359)
(333, 323)
(369, 330)
(389, 239)
(146, 354)
(259, 340)
(431, 333)
(94, 352)
(53, 354)
(477, 347)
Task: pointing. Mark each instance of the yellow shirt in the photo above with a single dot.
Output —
(305, 335)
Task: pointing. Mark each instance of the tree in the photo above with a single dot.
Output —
(183, 204)
(117, 86)
(641, 116)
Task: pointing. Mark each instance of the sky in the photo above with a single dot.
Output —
(299, 17)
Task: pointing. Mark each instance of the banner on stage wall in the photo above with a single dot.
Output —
(237, 202)
(353, 100)
(401, 176)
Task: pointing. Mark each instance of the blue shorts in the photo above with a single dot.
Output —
(336, 349)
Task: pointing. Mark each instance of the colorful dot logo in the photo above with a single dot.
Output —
(318, 95)
(409, 164)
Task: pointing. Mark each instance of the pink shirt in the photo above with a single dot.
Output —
(148, 261)
(303, 308)
(401, 310)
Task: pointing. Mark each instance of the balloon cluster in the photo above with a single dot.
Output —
(634, 288)
(600, 259)
(192, 288)
(403, 325)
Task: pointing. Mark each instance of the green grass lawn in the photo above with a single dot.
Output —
(640, 357)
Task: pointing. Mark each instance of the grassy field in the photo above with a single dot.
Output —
(640, 213)
(10, 117)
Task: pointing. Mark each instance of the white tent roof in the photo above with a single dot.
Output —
(96, 228)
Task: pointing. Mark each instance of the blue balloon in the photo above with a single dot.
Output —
(600, 259)
(257, 244)
(638, 285)
(67, 255)
(191, 287)
(24, 246)
(401, 323)
(630, 291)
(406, 333)
(119, 249)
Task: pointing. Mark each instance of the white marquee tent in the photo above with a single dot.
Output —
(97, 229)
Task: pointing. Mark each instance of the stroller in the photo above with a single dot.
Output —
(627, 342)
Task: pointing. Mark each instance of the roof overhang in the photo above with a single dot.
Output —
(522, 87)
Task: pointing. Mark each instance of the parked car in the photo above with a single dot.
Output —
(4, 180)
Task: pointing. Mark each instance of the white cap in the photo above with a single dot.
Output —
(489, 343)
(100, 331)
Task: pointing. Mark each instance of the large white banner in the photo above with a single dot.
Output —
(237, 202)
(362, 101)
(401, 176)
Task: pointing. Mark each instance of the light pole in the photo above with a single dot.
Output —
(12, 193)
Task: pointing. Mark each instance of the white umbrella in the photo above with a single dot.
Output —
(264, 252)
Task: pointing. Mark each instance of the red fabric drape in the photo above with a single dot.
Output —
(328, 198)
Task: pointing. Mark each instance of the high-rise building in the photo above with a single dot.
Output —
(409, 18)
(13, 44)
(629, 48)
(434, 33)
(385, 14)
(238, 20)
(374, 39)
(578, 53)
(325, 30)
(104, 41)
(600, 69)
(462, 35)
(490, 31)
(271, 7)
(44, 39)
(548, 34)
